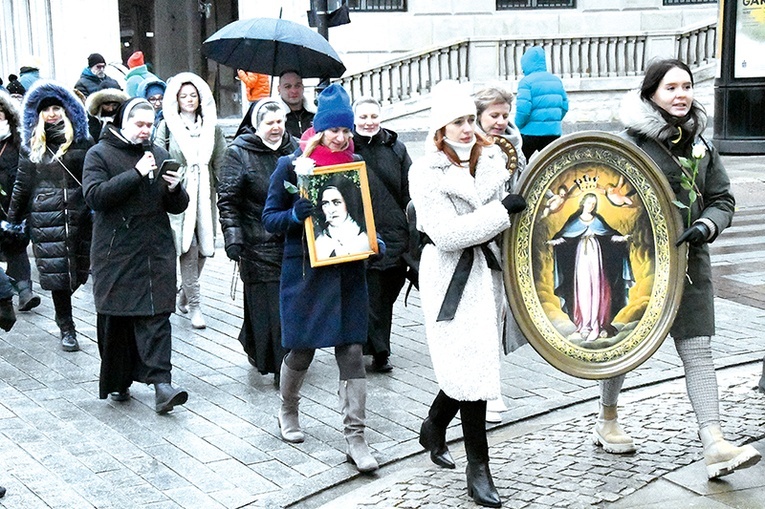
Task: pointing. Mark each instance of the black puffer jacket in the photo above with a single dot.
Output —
(133, 249)
(388, 165)
(49, 193)
(9, 151)
(242, 193)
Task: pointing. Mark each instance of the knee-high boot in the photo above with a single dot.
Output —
(353, 402)
(480, 484)
(289, 392)
(190, 284)
(433, 429)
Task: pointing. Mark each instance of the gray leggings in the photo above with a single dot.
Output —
(700, 380)
(349, 360)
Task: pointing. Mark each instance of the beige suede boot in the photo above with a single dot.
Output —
(609, 434)
(721, 457)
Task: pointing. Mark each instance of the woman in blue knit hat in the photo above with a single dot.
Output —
(324, 306)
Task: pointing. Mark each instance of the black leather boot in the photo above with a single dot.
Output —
(166, 397)
(7, 314)
(433, 439)
(480, 485)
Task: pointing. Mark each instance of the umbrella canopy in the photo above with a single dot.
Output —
(273, 46)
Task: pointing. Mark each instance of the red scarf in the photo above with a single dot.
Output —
(324, 156)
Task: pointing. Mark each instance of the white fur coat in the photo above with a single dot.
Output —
(201, 159)
(457, 212)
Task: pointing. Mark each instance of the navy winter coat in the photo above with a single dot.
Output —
(541, 102)
(322, 306)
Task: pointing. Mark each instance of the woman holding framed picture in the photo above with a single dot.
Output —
(320, 306)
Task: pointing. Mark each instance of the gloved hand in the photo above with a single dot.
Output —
(234, 251)
(381, 249)
(514, 203)
(302, 209)
(696, 235)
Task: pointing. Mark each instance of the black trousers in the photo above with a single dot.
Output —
(533, 143)
(133, 348)
(383, 287)
(62, 304)
(473, 414)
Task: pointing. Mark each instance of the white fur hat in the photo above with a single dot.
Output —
(449, 100)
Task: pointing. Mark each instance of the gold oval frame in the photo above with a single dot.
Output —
(608, 153)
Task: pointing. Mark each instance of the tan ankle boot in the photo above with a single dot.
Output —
(721, 457)
(609, 434)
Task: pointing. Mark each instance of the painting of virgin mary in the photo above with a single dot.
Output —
(592, 273)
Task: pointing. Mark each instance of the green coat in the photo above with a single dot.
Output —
(695, 317)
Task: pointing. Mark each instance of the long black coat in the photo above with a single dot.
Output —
(242, 193)
(133, 250)
(49, 193)
(388, 165)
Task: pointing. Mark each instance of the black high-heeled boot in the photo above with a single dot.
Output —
(434, 440)
(480, 485)
(433, 429)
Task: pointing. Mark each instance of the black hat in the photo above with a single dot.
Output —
(15, 87)
(47, 102)
(95, 59)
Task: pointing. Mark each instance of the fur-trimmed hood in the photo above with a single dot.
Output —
(203, 146)
(12, 115)
(108, 95)
(73, 108)
(639, 116)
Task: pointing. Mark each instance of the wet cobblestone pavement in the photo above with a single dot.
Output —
(559, 466)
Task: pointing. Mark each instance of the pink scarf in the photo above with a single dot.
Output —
(324, 156)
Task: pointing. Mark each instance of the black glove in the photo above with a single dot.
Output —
(234, 252)
(697, 234)
(381, 248)
(514, 203)
(302, 209)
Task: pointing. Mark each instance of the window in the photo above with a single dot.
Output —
(377, 5)
(503, 5)
(687, 2)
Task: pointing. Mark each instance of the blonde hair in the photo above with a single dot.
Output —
(38, 145)
(315, 140)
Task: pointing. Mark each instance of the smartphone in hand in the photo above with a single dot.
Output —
(167, 164)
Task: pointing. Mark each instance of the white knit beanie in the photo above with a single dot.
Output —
(449, 100)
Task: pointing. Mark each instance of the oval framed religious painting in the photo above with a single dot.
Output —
(592, 273)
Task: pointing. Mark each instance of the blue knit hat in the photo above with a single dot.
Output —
(334, 109)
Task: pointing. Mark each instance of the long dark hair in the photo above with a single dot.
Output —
(351, 195)
(691, 124)
(199, 98)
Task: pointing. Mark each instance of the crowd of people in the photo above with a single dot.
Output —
(128, 186)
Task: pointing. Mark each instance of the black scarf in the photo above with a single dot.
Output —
(55, 134)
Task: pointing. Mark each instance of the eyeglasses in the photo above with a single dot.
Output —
(155, 99)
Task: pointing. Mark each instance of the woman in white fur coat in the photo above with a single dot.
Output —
(458, 190)
(190, 132)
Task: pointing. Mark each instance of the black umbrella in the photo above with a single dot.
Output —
(273, 46)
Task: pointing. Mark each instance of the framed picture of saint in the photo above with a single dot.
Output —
(342, 227)
(592, 273)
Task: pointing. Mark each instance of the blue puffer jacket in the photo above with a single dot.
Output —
(541, 102)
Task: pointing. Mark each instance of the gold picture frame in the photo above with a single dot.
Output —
(342, 227)
(592, 273)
